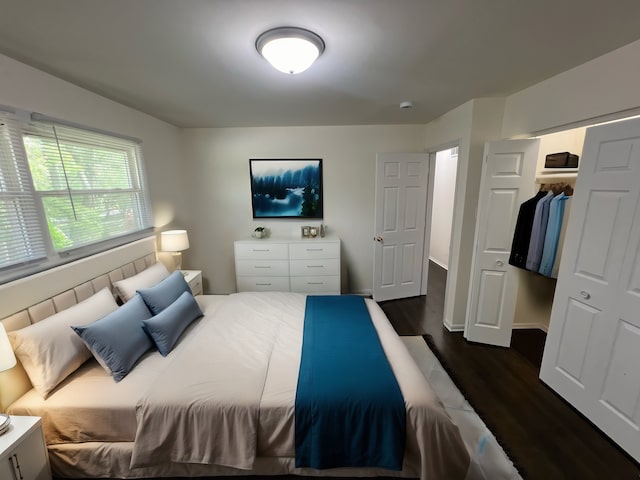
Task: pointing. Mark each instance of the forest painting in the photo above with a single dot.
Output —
(286, 188)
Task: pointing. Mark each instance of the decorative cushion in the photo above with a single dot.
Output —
(168, 325)
(49, 350)
(126, 289)
(118, 340)
(165, 292)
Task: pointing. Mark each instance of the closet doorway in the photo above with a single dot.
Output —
(443, 171)
(444, 167)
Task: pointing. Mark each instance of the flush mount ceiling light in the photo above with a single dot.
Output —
(290, 49)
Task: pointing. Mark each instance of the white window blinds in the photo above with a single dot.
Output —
(65, 192)
(90, 184)
(21, 236)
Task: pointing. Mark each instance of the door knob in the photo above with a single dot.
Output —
(379, 239)
(584, 294)
(499, 263)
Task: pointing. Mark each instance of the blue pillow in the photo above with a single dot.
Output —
(164, 293)
(118, 340)
(168, 325)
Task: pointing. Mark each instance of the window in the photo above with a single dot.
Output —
(65, 192)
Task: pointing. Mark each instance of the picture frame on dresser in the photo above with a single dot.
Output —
(286, 187)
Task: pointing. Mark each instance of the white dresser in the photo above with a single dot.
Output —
(286, 265)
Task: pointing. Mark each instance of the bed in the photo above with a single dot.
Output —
(187, 414)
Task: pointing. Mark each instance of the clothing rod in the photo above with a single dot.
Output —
(38, 117)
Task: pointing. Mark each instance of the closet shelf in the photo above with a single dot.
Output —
(556, 174)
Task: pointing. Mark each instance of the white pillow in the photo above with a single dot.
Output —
(50, 350)
(126, 289)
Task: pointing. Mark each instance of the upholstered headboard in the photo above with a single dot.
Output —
(39, 296)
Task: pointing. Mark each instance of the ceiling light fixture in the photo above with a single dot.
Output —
(290, 49)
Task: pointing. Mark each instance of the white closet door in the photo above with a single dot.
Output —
(508, 175)
(592, 352)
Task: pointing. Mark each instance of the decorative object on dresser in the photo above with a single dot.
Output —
(23, 455)
(288, 265)
(175, 241)
(260, 232)
(7, 361)
(286, 188)
(194, 280)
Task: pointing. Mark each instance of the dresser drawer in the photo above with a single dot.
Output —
(311, 284)
(262, 284)
(302, 251)
(261, 251)
(320, 266)
(279, 268)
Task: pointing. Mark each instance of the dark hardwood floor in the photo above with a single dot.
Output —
(542, 434)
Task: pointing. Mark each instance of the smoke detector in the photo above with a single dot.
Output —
(406, 104)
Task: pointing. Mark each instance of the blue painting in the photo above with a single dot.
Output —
(286, 188)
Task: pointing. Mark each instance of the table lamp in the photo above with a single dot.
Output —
(7, 361)
(175, 241)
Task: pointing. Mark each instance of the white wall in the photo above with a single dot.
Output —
(604, 86)
(444, 189)
(469, 126)
(218, 173)
(26, 88)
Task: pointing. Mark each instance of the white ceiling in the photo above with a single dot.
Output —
(193, 63)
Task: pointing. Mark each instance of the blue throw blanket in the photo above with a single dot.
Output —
(349, 410)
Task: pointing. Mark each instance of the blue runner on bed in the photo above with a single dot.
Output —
(349, 410)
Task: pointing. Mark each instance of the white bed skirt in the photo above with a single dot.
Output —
(100, 459)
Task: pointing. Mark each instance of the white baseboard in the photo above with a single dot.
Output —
(516, 326)
(539, 326)
(365, 293)
(452, 328)
(439, 263)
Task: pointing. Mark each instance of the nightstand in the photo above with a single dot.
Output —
(23, 455)
(194, 279)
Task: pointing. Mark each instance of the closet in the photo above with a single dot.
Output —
(592, 352)
(535, 292)
(502, 297)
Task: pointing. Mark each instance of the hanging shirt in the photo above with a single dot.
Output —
(554, 225)
(522, 233)
(563, 231)
(538, 232)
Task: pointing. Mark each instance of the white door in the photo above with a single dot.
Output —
(508, 179)
(592, 351)
(400, 210)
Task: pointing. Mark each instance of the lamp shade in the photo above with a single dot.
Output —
(7, 358)
(290, 49)
(174, 240)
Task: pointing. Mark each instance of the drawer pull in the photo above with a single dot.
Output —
(261, 250)
(264, 284)
(315, 266)
(315, 249)
(315, 283)
(16, 465)
(262, 266)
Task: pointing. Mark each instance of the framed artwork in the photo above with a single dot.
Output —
(286, 188)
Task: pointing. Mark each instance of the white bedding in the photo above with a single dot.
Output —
(265, 330)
